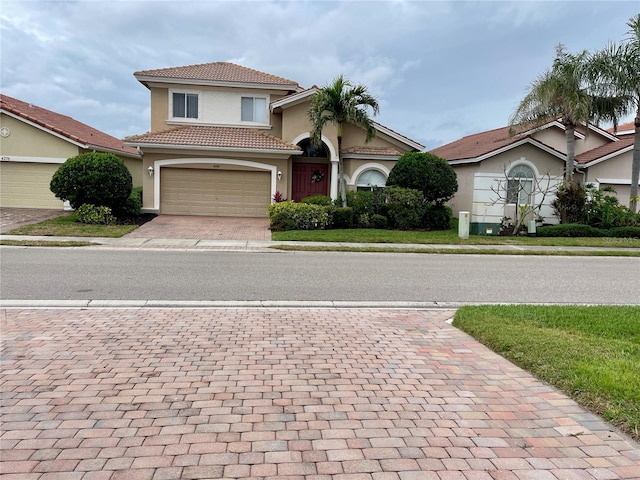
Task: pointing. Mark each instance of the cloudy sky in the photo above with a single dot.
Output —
(440, 69)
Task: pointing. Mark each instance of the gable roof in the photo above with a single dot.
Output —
(606, 150)
(216, 73)
(477, 145)
(208, 137)
(63, 126)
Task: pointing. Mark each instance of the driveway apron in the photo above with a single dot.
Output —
(314, 394)
(204, 228)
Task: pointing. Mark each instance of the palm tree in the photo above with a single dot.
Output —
(615, 72)
(342, 103)
(560, 93)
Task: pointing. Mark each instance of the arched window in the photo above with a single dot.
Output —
(371, 178)
(312, 151)
(520, 185)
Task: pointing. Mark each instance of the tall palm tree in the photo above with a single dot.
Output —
(615, 72)
(341, 103)
(559, 93)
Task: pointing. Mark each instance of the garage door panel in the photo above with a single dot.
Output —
(186, 191)
(26, 185)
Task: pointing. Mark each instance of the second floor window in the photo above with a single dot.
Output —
(185, 105)
(254, 109)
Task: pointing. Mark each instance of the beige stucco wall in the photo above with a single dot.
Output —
(217, 106)
(555, 137)
(463, 199)
(28, 141)
(544, 162)
(614, 172)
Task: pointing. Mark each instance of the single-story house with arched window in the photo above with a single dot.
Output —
(498, 172)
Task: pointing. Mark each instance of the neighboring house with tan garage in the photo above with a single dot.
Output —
(494, 161)
(225, 138)
(35, 141)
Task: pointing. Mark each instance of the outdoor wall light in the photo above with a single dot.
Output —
(279, 175)
(150, 170)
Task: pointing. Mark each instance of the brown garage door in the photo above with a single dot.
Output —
(26, 185)
(188, 191)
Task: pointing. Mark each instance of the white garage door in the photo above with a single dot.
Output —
(188, 191)
(26, 185)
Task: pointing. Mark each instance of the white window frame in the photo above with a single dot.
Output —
(254, 109)
(361, 185)
(519, 182)
(185, 93)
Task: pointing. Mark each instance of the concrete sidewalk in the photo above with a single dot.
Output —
(288, 394)
(266, 245)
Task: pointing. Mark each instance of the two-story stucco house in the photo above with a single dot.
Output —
(225, 138)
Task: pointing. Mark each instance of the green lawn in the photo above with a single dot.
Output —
(66, 226)
(592, 354)
(448, 237)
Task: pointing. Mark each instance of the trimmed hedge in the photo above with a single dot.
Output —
(297, 216)
(581, 230)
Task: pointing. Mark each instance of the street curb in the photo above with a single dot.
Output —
(83, 304)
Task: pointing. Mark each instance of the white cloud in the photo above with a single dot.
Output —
(440, 69)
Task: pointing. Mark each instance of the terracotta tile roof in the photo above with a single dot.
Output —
(219, 137)
(364, 150)
(604, 150)
(218, 72)
(476, 145)
(629, 126)
(65, 126)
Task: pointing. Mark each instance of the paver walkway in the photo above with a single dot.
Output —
(313, 394)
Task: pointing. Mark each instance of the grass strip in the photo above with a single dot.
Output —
(45, 243)
(444, 237)
(591, 353)
(461, 250)
(66, 226)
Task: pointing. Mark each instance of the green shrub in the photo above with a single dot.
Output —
(297, 216)
(425, 172)
(132, 206)
(404, 208)
(378, 221)
(625, 232)
(570, 204)
(94, 215)
(604, 209)
(94, 178)
(343, 217)
(437, 217)
(323, 200)
(570, 230)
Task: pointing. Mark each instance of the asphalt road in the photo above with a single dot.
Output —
(87, 274)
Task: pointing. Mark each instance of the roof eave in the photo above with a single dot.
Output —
(172, 146)
(146, 80)
(595, 161)
(401, 138)
(112, 150)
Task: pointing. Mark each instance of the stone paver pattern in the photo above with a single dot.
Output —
(11, 218)
(291, 394)
(204, 228)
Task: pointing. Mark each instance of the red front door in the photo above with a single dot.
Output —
(309, 179)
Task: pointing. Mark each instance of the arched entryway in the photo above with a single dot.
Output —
(310, 171)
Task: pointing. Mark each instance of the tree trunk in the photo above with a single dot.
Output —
(342, 184)
(571, 153)
(635, 165)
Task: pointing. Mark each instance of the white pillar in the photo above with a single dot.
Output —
(334, 179)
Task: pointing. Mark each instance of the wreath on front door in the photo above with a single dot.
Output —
(317, 176)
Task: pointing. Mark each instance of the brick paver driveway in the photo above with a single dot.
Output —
(11, 218)
(282, 394)
(204, 228)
